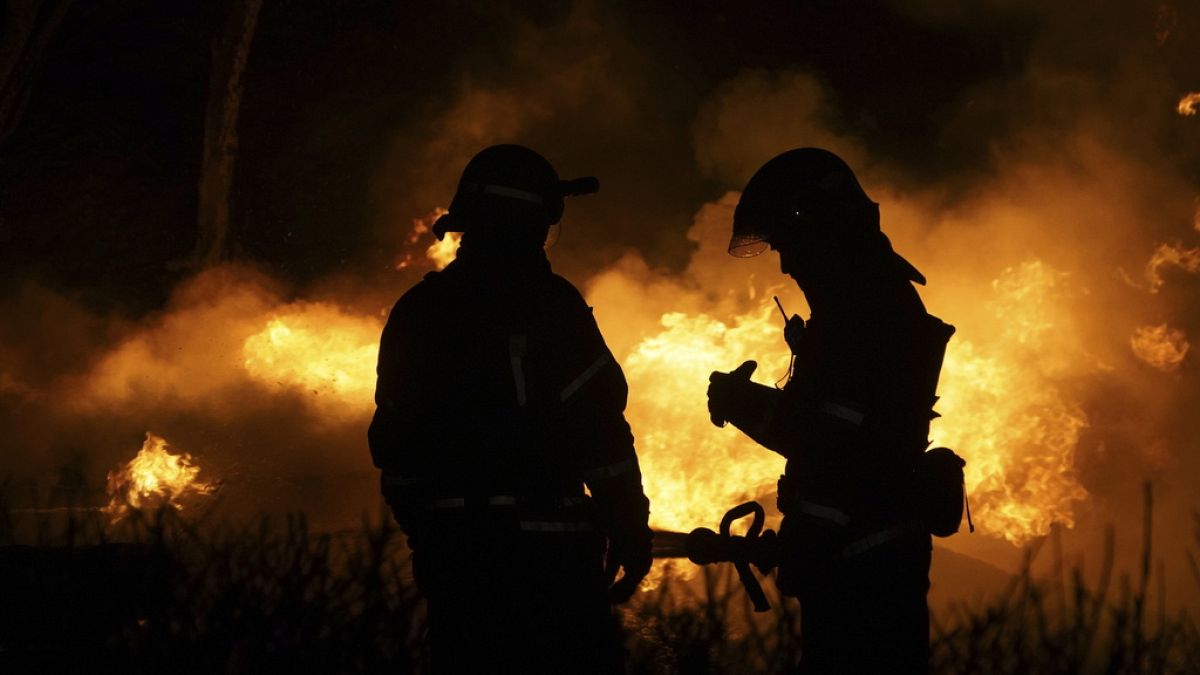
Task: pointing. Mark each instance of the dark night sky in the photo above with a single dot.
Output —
(98, 182)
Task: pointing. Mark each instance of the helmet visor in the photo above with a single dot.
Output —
(751, 231)
(747, 244)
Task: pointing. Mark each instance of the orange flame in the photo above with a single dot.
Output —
(1160, 346)
(1002, 412)
(693, 472)
(319, 350)
(420, 228)
(443, 252)
(154, 477)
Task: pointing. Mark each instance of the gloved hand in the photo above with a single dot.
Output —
(631, 555)
(793, 333)
(727, 392)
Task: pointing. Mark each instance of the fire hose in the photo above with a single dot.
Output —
(702, 546)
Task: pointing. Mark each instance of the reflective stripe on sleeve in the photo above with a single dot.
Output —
(399, 481)
(586, 375)
(555, 526)
(516, 352)
(497, 500)
(843, 412)
(610, 470)
(579, 382)
(821, 511)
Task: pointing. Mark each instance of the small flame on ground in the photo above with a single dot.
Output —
(1189, 105)
(1160, 346)
(155, 477)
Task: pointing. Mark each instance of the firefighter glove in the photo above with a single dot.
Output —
(633, 556)
(793, 333)
(728, 393)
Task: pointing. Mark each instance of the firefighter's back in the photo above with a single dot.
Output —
(497, 400)
(509, 557)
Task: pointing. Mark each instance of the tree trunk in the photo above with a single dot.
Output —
(229, 53)
(27, 28)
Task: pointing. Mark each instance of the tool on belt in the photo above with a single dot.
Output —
(702, 546)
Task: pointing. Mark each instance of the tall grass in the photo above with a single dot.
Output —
(162, 593)
(215, 598)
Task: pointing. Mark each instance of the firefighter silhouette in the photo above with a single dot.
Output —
(860, 495)
(497, 401)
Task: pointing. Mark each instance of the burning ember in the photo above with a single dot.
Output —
(155, 477)
(1167, 256)
(1189, 105)
(1160, 346)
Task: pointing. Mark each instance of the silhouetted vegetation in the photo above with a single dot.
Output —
(160, 592)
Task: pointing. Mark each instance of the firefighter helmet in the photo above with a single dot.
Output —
(509, 187)
(810, 197)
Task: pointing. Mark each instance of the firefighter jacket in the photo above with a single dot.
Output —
(497, 394)
(853, 420)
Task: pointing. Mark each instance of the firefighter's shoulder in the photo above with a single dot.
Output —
(564, 294)
(425, 295)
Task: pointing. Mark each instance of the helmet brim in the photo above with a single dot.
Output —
(906, 269)
(747, 245)
(447, 223)
(454, 221)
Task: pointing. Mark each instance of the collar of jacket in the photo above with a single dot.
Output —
(500, 263)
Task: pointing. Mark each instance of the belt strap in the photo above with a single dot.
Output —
(442, 503)
(881, 537)
(556, 526)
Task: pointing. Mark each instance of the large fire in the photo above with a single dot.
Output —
(1000, 410)
(155, 477)
(1004, 405)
